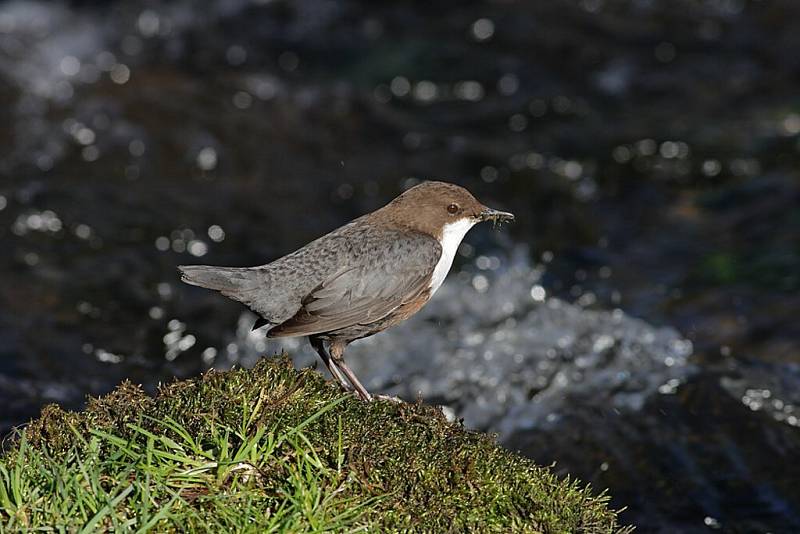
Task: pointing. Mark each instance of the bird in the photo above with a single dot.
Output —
(360, 279)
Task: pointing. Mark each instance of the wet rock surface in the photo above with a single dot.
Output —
(645, 339)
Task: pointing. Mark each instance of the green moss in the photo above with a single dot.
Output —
(274, 449)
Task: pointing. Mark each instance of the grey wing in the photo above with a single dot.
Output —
(393, 273)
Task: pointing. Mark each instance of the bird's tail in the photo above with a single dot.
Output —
(244, 284)
(228, 280)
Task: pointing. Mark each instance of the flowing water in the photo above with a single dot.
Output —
(637, 325)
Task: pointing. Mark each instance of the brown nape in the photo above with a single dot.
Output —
(428, 207)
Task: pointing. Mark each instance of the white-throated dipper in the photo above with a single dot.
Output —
(370, 274)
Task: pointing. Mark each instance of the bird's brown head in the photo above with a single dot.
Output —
(430, 207)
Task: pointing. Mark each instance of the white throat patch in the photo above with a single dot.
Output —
(452, 235)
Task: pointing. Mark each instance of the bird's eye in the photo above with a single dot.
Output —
(452, 208)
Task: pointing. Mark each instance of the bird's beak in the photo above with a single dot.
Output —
(488, 214)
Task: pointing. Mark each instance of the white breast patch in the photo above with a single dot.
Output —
(451, 237)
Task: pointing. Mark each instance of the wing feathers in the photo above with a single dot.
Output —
(367, 292)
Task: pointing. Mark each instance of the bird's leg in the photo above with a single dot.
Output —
(319, 346)
(337, 357)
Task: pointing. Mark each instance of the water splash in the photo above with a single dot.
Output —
(772, 388)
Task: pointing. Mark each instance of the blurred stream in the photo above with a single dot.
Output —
(637, 325)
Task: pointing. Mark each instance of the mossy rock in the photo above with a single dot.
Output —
(276, 449)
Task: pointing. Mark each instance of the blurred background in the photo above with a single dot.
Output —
(637, 326)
